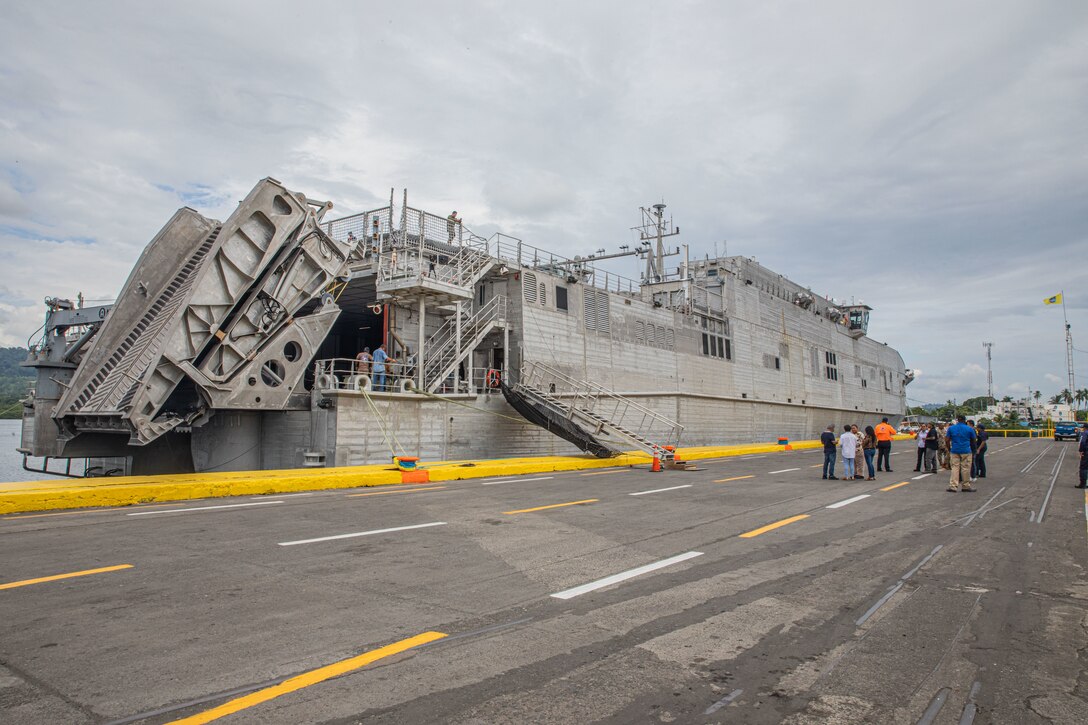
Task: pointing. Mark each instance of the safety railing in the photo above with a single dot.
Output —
(430, 245)
(513, 250)
(371, 228)
(630, 418)
(352, 375)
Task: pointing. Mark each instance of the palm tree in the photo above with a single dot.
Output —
(1037, 394)
(1081, 396)
(1055, 399)
(1067, 396)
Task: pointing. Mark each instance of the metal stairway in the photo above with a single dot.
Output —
(443, 354)
(610, 419)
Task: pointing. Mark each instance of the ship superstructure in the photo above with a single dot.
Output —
(235, 346)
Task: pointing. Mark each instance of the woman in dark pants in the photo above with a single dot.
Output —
(868, 446)
(980, 450)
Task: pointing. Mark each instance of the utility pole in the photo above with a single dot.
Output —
(989, 371)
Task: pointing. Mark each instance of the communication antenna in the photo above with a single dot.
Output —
(989, 370)
(655, 227)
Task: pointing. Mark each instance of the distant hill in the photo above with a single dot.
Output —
(13, 381)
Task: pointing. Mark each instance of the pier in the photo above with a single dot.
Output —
(746, 591)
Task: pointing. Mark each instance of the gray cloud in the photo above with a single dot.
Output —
(928, 158)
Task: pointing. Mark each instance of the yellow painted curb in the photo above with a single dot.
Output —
(48, 495)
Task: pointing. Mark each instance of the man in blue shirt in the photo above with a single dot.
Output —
(828, 439)
(379, 367)
(961, 442)
(1083, 456)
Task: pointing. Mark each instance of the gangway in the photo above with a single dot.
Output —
(610, 420)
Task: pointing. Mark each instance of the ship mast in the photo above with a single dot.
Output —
(654, 229)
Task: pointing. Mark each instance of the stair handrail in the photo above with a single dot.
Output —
(588, 395)
(443, 350)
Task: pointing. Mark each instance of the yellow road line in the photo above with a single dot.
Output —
(895, 485)
(306, 679)
(818, 465)
(97, 511)
(55, 577)
(385, 493)
(601, 473)
(772, 527)
(734, 478)
(553, 506)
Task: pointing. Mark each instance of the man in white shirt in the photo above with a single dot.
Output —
(849, 444)
(923, 431)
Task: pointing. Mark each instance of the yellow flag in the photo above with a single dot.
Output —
(1055, 300)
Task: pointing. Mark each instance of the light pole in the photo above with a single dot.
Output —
(989, 371)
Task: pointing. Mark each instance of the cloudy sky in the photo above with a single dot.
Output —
(930, 158)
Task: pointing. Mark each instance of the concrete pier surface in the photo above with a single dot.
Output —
(749, 590)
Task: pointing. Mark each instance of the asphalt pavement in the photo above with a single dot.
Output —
(747, 591)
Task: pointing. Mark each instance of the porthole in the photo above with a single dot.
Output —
(292, 351)
(272, 373)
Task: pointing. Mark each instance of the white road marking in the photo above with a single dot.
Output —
(508, 480)
(922, 476)
(723, 702)
(659, 490)
(281, 495)
(624, 575)
(786, 470)
(847, 502)
(203, 508)
(361, 533)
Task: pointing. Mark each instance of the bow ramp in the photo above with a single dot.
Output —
(214, 315)
(592, 417)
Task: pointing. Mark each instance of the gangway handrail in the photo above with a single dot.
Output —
(589, 396)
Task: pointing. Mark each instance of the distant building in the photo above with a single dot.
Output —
(1030, 411)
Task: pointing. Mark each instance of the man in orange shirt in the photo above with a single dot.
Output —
(884, 433)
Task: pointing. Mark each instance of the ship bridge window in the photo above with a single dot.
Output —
(831, 370)
(561, 298)
(716, 338)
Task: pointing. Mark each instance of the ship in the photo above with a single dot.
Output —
(235, 345)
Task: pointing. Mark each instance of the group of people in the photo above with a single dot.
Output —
(383, 368)
(857, 446)
(935, 447)
(960, 448)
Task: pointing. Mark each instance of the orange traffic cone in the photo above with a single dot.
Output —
(656, 468)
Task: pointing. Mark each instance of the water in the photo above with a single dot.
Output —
(11, 461)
